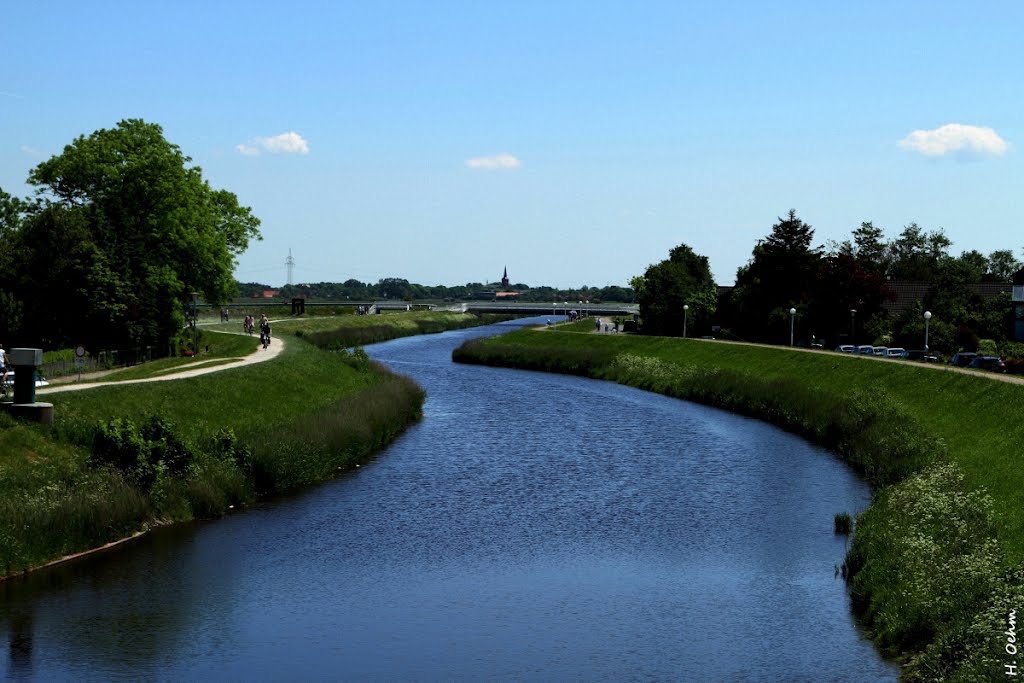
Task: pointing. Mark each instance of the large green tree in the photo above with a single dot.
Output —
(123, 231)
(683, 279)
(781, 274)
(917, 255)
(1002, 265)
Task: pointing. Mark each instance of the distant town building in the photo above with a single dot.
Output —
(500, 291)
(504, 294)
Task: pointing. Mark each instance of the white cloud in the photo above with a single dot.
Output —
(956, 140)
(494, 163)
(285, 143)
(30, 151)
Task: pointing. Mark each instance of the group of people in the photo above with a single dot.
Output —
(598, 323)
(249, 325)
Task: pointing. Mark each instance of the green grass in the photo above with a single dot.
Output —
(52, 504)
(217, 347)
(370, 329)
(300, 380)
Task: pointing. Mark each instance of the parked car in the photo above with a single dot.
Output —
(895, 352)
(865, 350)
(845, 348)
(962, 359)
(880, 350)
(920, 354)
(992, 363)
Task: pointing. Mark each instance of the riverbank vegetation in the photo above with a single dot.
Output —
(932, 563)
(351, 331)
(124, 457)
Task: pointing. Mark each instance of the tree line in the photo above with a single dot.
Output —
(838, 292)
(402, 289)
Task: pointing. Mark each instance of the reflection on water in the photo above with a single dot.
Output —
(531, 527)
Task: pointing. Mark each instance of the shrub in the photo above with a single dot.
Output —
(356, 358)
(140, 454)
(1010, 349)
(987, 347)
(226, 446)
(105, 359)
(165, 447)
(119, 444)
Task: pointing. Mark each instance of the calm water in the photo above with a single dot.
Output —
(532, 527)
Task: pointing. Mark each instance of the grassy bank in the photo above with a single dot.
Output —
(124, 457)
(360, 330)
(932, 564)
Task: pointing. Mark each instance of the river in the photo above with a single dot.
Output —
(531, 527)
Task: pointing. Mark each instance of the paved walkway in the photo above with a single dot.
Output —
(201, 367)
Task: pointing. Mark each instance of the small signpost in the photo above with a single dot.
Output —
(79, 359)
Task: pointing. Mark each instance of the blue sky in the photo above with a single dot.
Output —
(574, 143)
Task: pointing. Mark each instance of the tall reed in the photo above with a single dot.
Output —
(334, 438)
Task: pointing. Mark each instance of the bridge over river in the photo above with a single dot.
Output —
(525, 308)
(611, 308)
(513, 307)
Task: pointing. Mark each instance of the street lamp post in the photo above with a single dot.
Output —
(927, 317)
(853, 317)
(686, 307)
(195, 328)
(792, 317)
